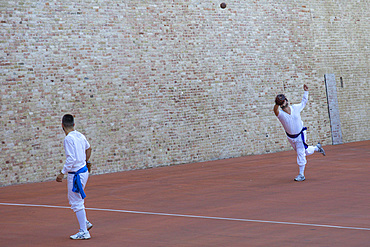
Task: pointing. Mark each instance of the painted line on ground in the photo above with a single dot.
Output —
(194, 216)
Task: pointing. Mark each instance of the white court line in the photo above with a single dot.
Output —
(194, 216)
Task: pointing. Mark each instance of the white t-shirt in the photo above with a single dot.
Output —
(75, 145)
(293, 123)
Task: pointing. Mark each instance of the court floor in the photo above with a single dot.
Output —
(246, 201)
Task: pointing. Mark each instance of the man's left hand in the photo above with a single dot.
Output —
(305, 88)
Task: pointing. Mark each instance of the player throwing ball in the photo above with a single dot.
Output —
(290, 118)
(78, 152)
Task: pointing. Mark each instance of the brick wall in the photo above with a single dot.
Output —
(155, 83)
(341, 46)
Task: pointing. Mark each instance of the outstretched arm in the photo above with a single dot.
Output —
(304, 98)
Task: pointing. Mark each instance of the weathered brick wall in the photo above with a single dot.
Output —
(341, 46)
(155, 83)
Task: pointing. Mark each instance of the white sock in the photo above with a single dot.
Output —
(301, 170)
(316, 149)
(81, 217)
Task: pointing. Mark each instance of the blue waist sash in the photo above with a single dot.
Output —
(77, 186)
(299, 134)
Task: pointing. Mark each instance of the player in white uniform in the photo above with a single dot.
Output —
(78, 152)
(290, 118)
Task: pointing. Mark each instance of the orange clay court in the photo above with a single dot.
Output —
(246, 201)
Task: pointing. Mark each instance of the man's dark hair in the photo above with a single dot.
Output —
(68, 121)
(279, 100)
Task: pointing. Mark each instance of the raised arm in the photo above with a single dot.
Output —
(304, 98)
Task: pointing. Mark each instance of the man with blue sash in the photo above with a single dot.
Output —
(78, 152)
(290, 118)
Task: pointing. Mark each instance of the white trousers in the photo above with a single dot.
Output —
(298, 146)
(75, 199)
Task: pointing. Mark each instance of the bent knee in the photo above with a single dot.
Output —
(77, 205)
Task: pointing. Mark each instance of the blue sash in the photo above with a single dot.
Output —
(77, 186)
(299, 134)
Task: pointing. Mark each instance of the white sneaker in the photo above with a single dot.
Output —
(299, 178)
(88, 225)
(81, 235)
(321, 150)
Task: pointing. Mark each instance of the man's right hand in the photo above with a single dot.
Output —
(305, 88)
(88, 164)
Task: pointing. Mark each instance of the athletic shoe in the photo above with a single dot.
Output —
(299, 178)
(88, 225)
(321, 150)
(81, 235)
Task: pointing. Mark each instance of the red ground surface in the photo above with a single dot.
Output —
(257, 188)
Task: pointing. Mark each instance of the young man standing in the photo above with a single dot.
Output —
(290, 118)
(78, 152)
